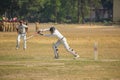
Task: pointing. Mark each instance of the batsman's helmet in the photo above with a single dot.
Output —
(52, 29)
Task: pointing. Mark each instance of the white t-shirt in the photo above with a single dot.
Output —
(57, 34)
(22, 28)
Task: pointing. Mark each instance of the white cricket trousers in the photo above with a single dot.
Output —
(23, 36)
(67, 47)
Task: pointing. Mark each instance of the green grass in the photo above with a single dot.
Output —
(37, 62)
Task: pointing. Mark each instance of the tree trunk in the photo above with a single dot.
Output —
(82, 11)
(79, 7)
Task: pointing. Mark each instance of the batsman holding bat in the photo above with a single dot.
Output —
(21, 30)
(61, 40)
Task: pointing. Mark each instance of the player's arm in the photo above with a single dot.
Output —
(47, 29)
(47, 35)
(39, 32)
(42, 30)
(26, 28)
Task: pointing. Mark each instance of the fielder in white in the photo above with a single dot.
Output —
(61, 40)
(21, 30)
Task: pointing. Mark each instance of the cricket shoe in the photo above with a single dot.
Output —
(76, 56)
(24, 49)
(17, 48)
(56, 57)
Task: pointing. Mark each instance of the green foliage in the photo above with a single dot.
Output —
(51, 10)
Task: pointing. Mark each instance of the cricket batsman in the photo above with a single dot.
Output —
(61, 40)
(22, 29)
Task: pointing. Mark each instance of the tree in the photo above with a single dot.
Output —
(79, 7)
(83, 10)
(31, 9)
(68, 11)
(4, 6)
(108, 4)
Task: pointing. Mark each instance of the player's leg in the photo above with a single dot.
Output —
(55, 48)
(24, 41)
(64, 41)
(18, 41)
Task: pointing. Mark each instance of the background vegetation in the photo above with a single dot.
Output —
(69, 11)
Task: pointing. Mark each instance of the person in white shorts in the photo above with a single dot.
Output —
(61, 40)
(22, 29)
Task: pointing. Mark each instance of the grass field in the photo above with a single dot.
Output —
(37, 62)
